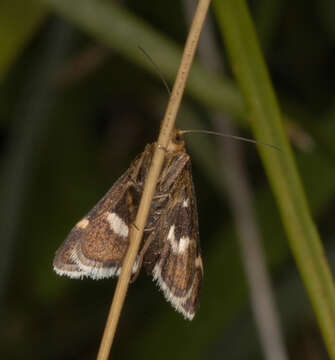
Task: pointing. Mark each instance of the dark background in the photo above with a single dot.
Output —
(74, 112)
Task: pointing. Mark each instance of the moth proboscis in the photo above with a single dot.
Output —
(170, 248)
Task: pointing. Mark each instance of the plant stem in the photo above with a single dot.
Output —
(153, 174)
(266, 122)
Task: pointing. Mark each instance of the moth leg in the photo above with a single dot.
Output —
(149, 229)
(140, 257)
(145, 229)
(162, 196)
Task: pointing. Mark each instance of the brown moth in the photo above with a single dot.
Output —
(170, 248)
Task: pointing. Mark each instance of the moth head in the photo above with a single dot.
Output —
(177, 142)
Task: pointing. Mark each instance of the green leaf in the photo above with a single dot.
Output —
(124, 32)
(266, 122)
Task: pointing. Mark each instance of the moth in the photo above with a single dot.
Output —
(170, 249)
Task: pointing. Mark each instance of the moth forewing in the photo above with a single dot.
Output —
(178, 271)
(170, 247)
(98, 248)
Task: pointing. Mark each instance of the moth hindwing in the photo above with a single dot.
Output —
(170, 248)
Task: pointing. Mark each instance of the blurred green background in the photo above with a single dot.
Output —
(78, 101)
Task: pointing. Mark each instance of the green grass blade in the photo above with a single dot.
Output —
(266, 122)
(124, 32)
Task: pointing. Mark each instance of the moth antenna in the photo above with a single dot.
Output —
(235, 137)
(156, 68)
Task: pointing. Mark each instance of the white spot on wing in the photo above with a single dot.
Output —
(183, 244)
(185, 203)
(171, 233)
(117, 225)
(171, 237)
(198, 263)
(178, 247)
(83, 223)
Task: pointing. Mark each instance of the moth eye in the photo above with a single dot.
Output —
(178, 138)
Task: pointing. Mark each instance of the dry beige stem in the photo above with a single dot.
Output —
(153, 174)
